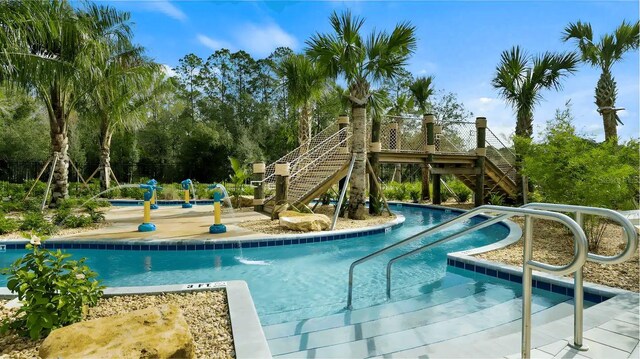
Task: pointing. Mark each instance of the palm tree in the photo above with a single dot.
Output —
(379, 104)
(361, 61)
(421, 89)
(305, 83)
(604, 54)
(128, 83)
(520, 78)
(47, 47)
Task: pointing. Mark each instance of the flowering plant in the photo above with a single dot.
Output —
(53, 290)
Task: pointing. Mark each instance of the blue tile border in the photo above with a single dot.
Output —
(200, 245)
(562, 286)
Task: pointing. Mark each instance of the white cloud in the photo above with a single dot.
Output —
(428, 68)
(167, 8)
(211, 43)
(168, 70)
(261, 40)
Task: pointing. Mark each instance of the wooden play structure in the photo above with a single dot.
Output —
(468, 150)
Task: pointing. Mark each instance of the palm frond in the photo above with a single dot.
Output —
(421, 89)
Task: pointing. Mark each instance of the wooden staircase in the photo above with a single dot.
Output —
(497, 179)
(319, 168)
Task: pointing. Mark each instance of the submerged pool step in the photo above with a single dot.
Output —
(446, 311)
(419, 292)
(370, 313)
(408, 338)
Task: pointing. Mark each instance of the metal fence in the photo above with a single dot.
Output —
(21, 171)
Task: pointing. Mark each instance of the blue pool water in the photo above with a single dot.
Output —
(305, 279)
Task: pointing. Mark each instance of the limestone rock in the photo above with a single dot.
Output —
(154, 332)
(292, 214)
(305, 222)
(244, 201)
(279, 208)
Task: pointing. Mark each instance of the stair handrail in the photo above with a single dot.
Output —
(294, 175)
(579, 236)
(339, 144)
(305, 144)
(631, 233)
(579, 258)
(412, 238)
(630, 248)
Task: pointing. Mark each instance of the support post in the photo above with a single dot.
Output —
(343, 121)
(525, 348)
(258, 191)
(437, 198)
(282, 185)
(428, 121)
(481, 152)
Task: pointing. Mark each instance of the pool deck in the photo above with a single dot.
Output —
(172, 222)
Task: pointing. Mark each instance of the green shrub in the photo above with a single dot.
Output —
(496, 199)
(461, 190)
(96, 216)
(7, 225)
(396, 191)
(35, 221)
(415, 191)
(131, 192)
(444, 193)
(567, 168)
(53, 291)
(170, 192)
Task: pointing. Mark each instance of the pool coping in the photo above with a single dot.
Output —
(268, 240)
(249, 340)
(593, 292)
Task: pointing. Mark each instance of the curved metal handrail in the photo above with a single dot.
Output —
(578, 278)
(578, 260)
(629, 229)
(412, 238)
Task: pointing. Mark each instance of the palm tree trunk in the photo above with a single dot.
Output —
(105, 158)
(606, 98)
(524, 129)
(357, 183)
(304, 126)
(374, 159)
(60, 145)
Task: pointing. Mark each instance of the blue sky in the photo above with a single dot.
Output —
(459, 42)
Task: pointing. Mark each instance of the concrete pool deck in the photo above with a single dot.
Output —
(172, 222)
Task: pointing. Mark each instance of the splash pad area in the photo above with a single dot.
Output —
(172, 222)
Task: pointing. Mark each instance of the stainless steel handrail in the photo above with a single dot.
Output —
(580, 255)
(578, 279)
(412, 238)
(575, 264)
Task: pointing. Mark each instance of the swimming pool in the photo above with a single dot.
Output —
(297, 281)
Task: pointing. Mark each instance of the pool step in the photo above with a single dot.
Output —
(415, 293)
(374, 336)
(397, 323)
(368, 314)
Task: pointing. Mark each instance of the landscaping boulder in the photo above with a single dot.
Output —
(304, 222)
(243, 201)
(155, 332)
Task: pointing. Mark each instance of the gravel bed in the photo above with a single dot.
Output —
(206, 313)
(552, 244)
(268, 226)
